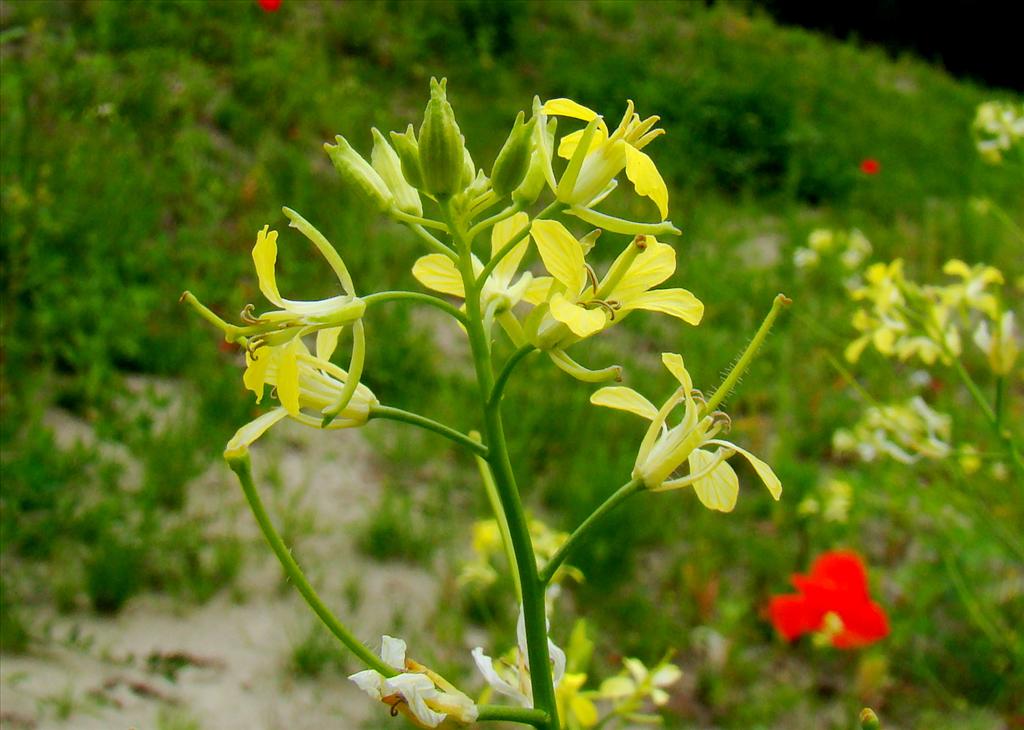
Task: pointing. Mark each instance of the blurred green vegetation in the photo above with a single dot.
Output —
(143, 144)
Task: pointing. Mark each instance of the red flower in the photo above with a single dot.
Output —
(837, 585)
(269, 5)
(870, 166)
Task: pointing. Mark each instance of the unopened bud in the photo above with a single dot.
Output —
(513, 160)
(408, 150)
(386, 162)
(538, 171)
(442, 157)
(359, 175)
(869, 720)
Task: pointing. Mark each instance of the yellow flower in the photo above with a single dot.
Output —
(578, 305)
(905, 432)
(303, 383)
(638, 683)
(1000, 343)
(575, 707)
(971, 292)
(665, 449)
(499, 293)
(596, 157)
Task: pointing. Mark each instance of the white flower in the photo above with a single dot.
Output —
(1003, 348)
(512, 678)
(423, 696)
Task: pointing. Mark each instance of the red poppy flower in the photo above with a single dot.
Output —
(269, 5)
(870, 166)
(832, 600)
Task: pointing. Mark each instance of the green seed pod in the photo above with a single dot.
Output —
(442, 157)
(359, 175)
(513, 160)
(408, 150)
(386, 162)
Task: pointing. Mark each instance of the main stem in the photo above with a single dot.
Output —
(501, 467)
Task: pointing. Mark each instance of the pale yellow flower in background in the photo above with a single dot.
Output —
(639, 683)
(906, 432)
(665, 449)
(423, 696)
(972, 291)
(579, 305)
(998, 128)
(574, 705)
(1001, 343)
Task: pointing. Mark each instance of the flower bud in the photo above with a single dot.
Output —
(869, 720)
(408, 150)
(385, 161)
(513, 160)
(442, 157)
(538, 171)
(359, 175)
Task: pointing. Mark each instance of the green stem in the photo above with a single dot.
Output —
(503, 713)
(432, 241)
(512, 243)
(781, 300)
(415, 419)
(534, 614)
(621, 495)
(1003, 435)
(243, 468)
(1000, 400)
(492, 221)
(487, 477)
(416, 220)
(506, 372)
(413, 296)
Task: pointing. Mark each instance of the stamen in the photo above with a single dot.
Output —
(591, 277)
(394, 705)
(640, 242)
(247, 315)
(722, 418)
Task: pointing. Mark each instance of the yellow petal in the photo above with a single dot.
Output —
(652, 266)
(625, 399)
(568, 108)
(763, 470)
(583, 322)
(538, 290)
(956, 267)
(264, 255)
(501, 234)
(674, 364)
(678, 303)
(288, 377)
(641, 171)
(561, 252)
(255, 375)
(855, 349)
(567, 145)
(437, 271)
(584, 710)
(247, 434)
(326, 342)
(719, 489)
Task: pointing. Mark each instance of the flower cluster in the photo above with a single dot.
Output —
(998, 128)
(902, 318)
(850, 247)
(833, 603)
(514, 276)
(905, 432)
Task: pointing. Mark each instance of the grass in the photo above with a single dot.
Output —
(173, 131)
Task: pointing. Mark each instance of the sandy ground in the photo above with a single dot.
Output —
(93, 671)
